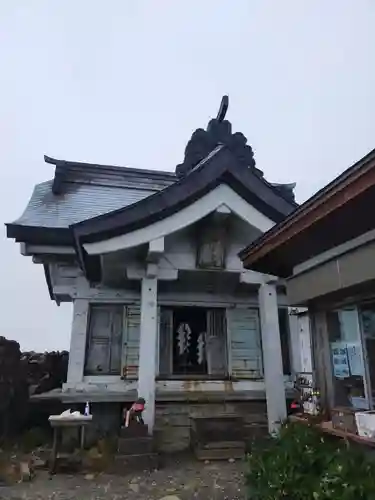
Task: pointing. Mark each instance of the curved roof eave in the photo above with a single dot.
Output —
(220, 166)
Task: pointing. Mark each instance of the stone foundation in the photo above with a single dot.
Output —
(106, 422)
(173, 420)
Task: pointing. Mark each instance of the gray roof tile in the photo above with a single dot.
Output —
(89, 190)
(77, 203)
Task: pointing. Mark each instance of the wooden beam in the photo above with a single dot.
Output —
(155, 250)
(139, 272)
(252, 277)
(27, 249)
(151, 271)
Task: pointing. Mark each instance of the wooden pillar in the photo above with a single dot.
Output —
(295, 341)
(147, 348)
(77, 350)
(305, 342)
(272, 357)
(322, 358)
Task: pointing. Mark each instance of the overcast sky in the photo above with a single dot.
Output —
(126, 82)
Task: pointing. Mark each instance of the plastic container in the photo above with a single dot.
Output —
(343, 419)
(365, 423)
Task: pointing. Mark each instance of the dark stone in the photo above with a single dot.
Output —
(134, 431)
(105, 424)
(213, 429)
(135, 445)
(22, 375)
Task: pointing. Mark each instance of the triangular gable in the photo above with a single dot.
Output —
(219, 198)
(221, 166)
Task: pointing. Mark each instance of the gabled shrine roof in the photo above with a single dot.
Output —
(219, 167)
(89, 198)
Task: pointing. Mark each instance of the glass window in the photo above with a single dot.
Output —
(348, 368)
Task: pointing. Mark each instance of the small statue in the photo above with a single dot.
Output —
(135, 412)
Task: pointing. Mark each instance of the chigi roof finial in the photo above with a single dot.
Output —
(223, 108)
(219, 131)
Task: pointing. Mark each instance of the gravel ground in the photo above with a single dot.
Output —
(182, 479)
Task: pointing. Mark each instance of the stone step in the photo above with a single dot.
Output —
(123, 464)
(135, 430)
(219, 453)
(215, 445)
(135, 445)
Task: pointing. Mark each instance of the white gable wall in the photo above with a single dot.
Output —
(240, 235)
(223, 194)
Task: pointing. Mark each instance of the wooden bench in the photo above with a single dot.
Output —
(328, 428)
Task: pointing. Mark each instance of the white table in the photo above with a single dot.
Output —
(58, 422)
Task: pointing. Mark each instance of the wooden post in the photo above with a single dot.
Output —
(147, 349)
(295, 343)
(322, 359)
(78, 341)
(53, 457)
(300, 340)
(272, 357)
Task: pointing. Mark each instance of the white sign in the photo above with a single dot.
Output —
(340, 360)
(355, 358)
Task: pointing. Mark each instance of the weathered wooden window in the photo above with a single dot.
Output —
(165, 341)
(104, 340)
(245, 341)
(192, 341)
(216, 342)
(131, 338)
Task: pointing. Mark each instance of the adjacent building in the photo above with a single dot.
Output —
(325, 250)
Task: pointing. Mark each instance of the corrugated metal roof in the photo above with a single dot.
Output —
(77, 203)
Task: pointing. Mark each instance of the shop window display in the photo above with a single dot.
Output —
(347, 358)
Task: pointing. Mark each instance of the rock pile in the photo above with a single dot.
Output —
(24, 374)
(13, 387)
(46, 371)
